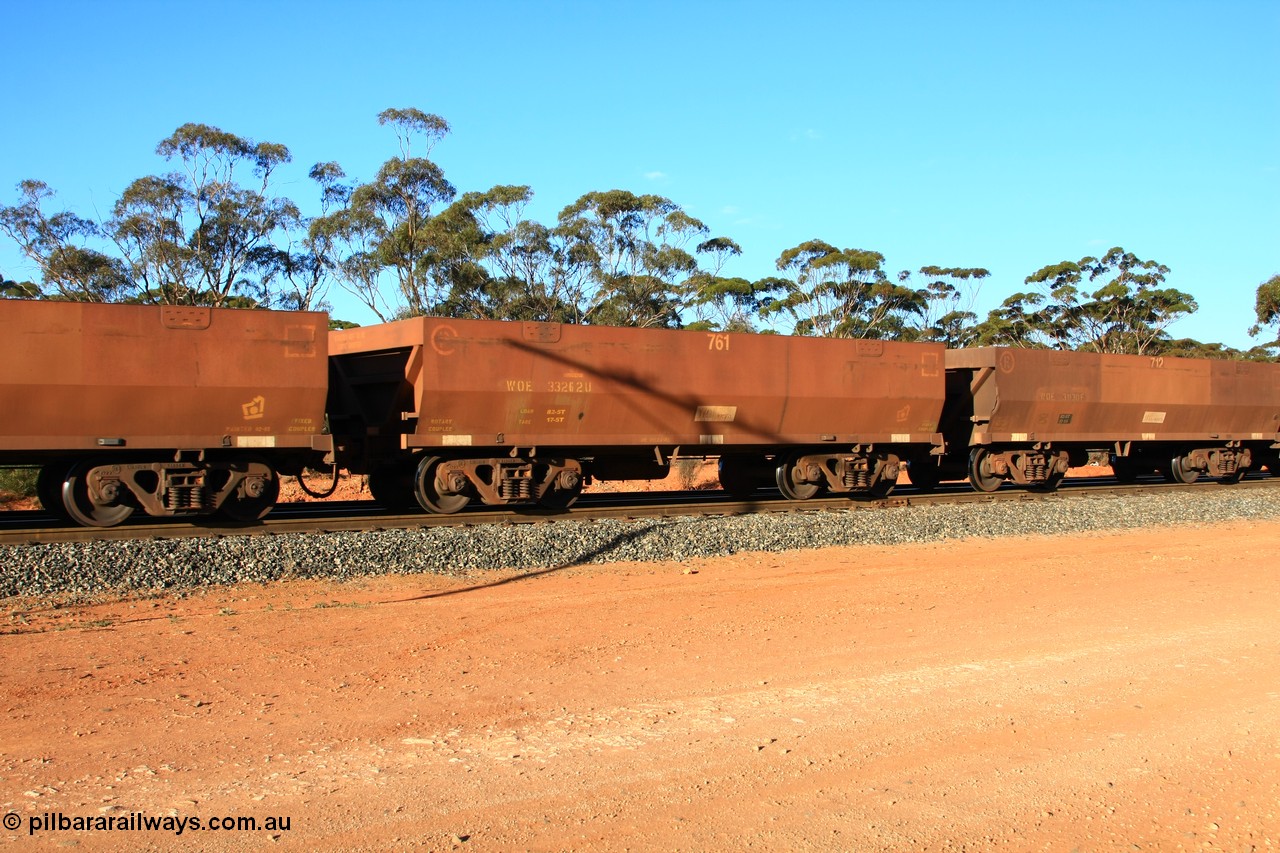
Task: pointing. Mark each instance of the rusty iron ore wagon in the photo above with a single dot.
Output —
(184, 411)
(1025, 415)
(174, 410)
(442, 411)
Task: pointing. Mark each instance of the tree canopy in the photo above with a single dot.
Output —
(57, 243)
(213, 228)
(196, 235)
(1267, 306)
(1112, 304)
(843, 293)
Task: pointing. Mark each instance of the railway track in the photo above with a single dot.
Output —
(36, 527)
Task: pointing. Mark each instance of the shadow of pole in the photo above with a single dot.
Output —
(595, 553)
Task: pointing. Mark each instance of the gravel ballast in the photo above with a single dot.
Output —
(88, 568)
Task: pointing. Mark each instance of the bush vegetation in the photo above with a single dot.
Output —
(18, 481)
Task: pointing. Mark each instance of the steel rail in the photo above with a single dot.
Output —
(30, 527)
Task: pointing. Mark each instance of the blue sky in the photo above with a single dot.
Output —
(1003, 135)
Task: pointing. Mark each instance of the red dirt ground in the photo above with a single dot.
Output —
(1107, 692)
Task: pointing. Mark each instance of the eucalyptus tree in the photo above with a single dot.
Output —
(387, 224)
(1192, 348)
(1267, 307)
(10, 289)
(301, 272)
(522, 270)
(726, 303)
(1018, 322)
(352, 235)
(58, 245)
(731, 304)
(1129, 313)
(458, 244)
(843, 293)
(196, 235)
(541, 280)
(633, 250)
(950, 294)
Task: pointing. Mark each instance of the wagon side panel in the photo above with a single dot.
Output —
(537, 384)
(77, 376)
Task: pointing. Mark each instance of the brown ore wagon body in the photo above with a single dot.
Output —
(176, 410)
(1025, 415)
(511, 412)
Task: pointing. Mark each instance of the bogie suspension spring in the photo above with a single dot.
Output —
(515, 488)
(186, 493)
(857, 477)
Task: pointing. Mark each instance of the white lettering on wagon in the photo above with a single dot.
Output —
(715, 414)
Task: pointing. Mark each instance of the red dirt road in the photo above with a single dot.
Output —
(1118, 692)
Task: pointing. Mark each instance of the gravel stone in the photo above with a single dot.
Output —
(91, 568)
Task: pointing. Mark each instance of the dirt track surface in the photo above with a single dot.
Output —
(1115, 693)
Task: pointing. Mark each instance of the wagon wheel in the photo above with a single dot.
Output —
(980, 474)
(81, 507)
(253, 498)
(561, 498)
(428, 493)
(789, 487)
(882, 488)
(924, 473)
(1179, 472)
(392, 488)
(49, 487)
